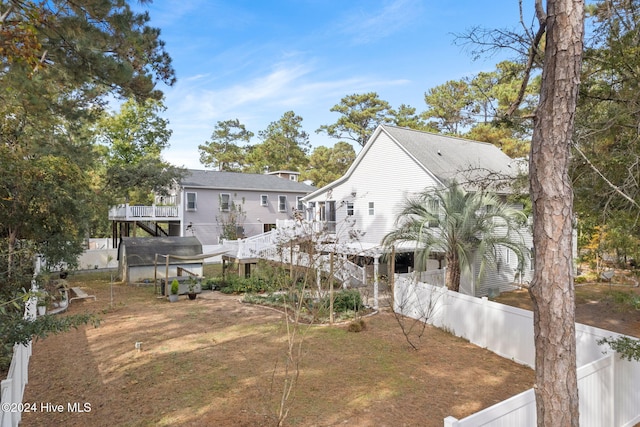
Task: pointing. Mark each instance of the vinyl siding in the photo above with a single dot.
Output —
(206, 218)
(386, 175)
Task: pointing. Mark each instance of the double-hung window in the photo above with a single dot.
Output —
(282, 203)
(350, 209)
(264, 200)
(191, 202)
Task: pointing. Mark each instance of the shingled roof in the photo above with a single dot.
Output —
(472, 164)
(450, 158)
(242, 181)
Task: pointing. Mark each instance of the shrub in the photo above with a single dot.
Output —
(175, 287)
(347, 300)
(343, 301)
(212, 283)
(580, 279)
(357, 326)
(239, 285)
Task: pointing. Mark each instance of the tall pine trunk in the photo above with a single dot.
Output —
(552, 288)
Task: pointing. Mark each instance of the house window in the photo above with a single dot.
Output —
(434, 209)
(282, 203)
(350, 208)
(372, 210)
(191, 201)
(264, 200)
(299, 204)
(508, 256)
(331, 216)
(293, 177)
(311, 211)
(224, 202)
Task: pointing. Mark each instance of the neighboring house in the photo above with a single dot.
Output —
(211, 200)
(290, 175)
(397, 163)
(212, 205)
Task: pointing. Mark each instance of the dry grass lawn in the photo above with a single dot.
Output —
(218, 362)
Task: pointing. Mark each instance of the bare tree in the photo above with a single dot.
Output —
(552, 289)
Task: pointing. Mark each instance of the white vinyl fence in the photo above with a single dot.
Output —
(608, 386)
(12, 388)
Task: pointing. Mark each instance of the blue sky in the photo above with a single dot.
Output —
(256, 59)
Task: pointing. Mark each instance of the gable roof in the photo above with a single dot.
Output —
(451, 158)
(242, 181)
(472, 164)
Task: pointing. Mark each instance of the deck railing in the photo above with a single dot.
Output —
(153, 212)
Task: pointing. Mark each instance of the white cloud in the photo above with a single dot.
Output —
(369, 26)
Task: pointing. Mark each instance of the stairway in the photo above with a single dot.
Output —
(282, 245)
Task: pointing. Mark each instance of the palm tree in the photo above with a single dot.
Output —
(459, 225)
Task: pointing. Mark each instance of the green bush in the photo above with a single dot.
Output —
(240, 285)
(346, 300)
(212, 283)
(580, 279)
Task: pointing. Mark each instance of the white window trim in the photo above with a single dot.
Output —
(264, 200)
(351, 208)
(280, 209)
(195, 201)
(299, 204)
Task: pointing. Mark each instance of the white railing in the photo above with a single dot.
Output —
(272, 246)
(431, 277)
(153, 212)
(607, 385)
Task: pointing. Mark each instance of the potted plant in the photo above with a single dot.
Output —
(192, 287)
(175, 287)
(43, 301)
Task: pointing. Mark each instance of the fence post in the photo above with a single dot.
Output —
(485, 326)
(451, 422)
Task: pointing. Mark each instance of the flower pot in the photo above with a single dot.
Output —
(192, 296)
(173, 297)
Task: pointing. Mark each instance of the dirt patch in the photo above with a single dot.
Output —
(597, 304)
(216, 361)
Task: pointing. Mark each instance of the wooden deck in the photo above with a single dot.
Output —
(144, 213)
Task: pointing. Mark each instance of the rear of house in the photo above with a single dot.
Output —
(229, 205)
(362, 207)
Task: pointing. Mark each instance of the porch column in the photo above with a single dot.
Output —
(376, 263)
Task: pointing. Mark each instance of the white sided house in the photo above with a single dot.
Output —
(397, 163)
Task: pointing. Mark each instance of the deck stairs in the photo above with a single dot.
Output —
(283, 245)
